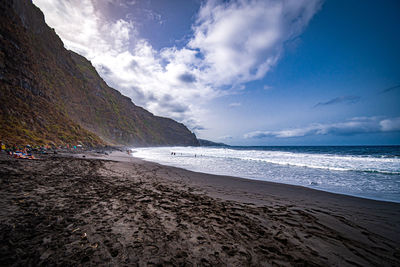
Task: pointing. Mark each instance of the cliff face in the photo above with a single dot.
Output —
(51, 94)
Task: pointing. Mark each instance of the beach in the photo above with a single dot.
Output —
(117, 210)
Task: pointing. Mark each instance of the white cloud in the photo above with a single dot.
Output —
(122, 3)
(353, 126)
(233, 43)
(234, 105)
(390, 125)
(241, 40)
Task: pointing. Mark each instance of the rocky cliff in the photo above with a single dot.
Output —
(50, 94)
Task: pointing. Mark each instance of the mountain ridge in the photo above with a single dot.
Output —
(43, 78)
(204, 142)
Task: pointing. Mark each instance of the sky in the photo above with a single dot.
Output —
(248, 72)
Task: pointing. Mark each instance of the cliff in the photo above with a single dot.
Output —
(50, 94)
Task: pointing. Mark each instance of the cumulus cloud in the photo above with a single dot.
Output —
(353, 126)
(233, 42)
(390, 125)
(350, 99)
(241, 40)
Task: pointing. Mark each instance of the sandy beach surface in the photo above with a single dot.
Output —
(115, 210)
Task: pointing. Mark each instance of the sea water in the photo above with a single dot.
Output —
(363, 171)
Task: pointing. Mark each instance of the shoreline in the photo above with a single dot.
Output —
(364, 177)
(120, 157)
(115, 210)
(232, 188)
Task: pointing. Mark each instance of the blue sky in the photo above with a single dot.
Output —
(246, 72)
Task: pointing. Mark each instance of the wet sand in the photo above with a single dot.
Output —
(120, 211)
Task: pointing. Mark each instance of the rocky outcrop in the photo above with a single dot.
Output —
(50, 94)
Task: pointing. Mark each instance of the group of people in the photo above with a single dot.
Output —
(18, 152)
(174, 154)
(26, 151)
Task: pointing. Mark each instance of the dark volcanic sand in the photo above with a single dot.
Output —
(73, 211)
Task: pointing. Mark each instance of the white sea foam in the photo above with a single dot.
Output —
(367, 176)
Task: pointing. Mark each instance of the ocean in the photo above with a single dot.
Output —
(363, 171)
